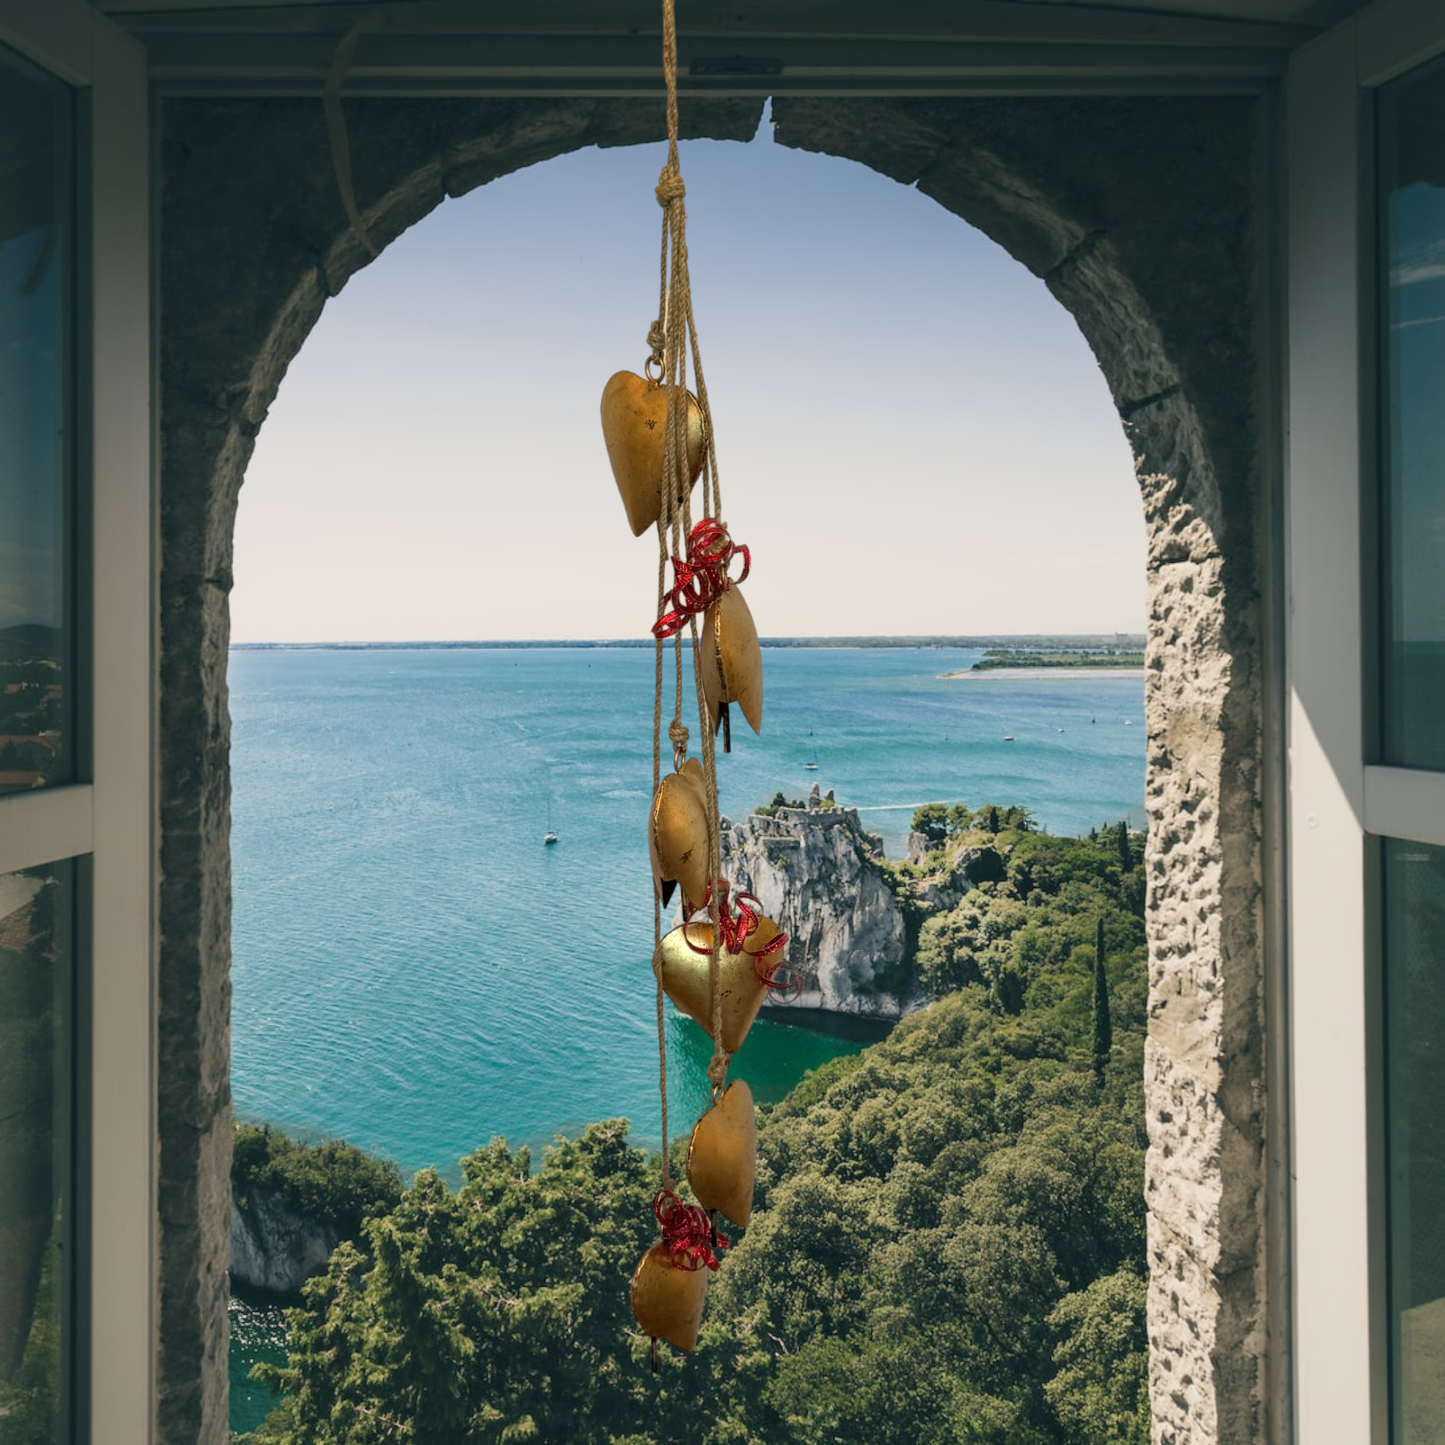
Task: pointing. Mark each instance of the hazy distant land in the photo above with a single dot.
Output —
(1103, 647)
(1042, 661)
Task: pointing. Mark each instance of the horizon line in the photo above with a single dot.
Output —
(969, 641)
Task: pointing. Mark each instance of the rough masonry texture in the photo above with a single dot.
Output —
(1140, 215)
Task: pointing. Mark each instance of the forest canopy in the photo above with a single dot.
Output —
(946, 1248)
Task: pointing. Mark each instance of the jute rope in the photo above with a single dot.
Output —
(670, 339)
(656, 897)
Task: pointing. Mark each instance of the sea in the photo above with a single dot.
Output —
(416, 972)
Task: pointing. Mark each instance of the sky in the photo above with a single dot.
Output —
(912, 435)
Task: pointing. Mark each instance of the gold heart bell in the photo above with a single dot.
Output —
(634, 426)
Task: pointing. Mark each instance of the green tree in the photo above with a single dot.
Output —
(948, 945)
(334, 1183)
(495, 1314)
(1126, 852)
(1103, 1362)
(931, 820)
(1103, 1025)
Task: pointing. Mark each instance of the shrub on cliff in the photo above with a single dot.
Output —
(1027, 933)
(780, 800)
(332, 1184)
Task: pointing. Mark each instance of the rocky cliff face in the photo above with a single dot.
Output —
(819, 875)
(273, 1249)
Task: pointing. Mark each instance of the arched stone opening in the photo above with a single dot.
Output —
(1140, 215)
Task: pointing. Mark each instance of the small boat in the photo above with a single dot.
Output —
(811, 766)
(1008, 737)
(549, 837)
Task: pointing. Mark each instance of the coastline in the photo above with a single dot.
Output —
(1035, 673)
(856, 1028)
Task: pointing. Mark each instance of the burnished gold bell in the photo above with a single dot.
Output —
(677, 836)
(730, 662)
(667, 1301)
(634, 426)
(722, 1155)
(685, 978)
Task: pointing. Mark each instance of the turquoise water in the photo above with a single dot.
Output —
(415, 972)
(258, 1332)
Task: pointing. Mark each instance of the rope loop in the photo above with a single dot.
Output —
(669, 186)
(677, 736)
(656, 346)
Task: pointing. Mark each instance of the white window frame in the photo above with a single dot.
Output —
(1337, 801)
(109, 819)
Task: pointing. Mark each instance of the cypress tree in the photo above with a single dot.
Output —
(1126, 853)
(1103, 1026)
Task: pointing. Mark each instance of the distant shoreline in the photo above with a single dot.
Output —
(1060, 674)
(1016, 641)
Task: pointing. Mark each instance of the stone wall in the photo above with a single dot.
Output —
(1140, 215)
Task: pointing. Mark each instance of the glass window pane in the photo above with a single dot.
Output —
(37, 963)
(37, 615)
(1414, 888)
(1412, 600)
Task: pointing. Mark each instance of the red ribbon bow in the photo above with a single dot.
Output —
(782, 983)
(687, 1232)
(703, 577)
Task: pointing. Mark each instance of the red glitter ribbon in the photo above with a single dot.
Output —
(703, 577)
(782, 983)
(687, 1232)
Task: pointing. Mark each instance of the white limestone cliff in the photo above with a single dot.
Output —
(819, 874)
(273, 1249)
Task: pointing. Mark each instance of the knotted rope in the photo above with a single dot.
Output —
(671, 340)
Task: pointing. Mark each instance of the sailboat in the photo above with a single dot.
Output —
(549, 837)
(811, 766)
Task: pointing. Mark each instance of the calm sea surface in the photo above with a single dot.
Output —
(414, 972)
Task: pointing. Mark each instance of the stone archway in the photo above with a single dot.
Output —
(1141, 216)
